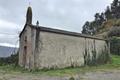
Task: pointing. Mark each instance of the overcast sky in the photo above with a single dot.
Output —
(61, 14)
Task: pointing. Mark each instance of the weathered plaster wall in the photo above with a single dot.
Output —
(26, 56)
(59, 50)
(54, 50)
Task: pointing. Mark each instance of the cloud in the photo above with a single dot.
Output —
(67, 14)
(7, 44)
(8, 27)
(9, 39)
(8, 33)
(62, 14)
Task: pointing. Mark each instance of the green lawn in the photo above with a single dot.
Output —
(114, 64)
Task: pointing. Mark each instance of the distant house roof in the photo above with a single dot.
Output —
(46, 29)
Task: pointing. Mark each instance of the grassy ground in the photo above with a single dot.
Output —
(115, 64)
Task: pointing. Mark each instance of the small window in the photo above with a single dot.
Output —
(25, 38)
(25, 55)
(25, 49)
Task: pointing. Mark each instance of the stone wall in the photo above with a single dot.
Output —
(26, 49)
(59, 51)
(47, 49)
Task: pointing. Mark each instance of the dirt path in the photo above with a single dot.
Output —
(107, 75)
(113, 75)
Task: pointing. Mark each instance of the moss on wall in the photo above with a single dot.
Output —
(96, 58)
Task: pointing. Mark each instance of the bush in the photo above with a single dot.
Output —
(72, 78)
(115, 45)
(115, 31)
(13, 59)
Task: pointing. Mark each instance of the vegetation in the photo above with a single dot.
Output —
(72, 78)
(102, 58)
(13, 59)
(92, 58)
(115, 45)
(109, 18)
(114, 64)
(106, 25)
(115, 31)
(109, 26)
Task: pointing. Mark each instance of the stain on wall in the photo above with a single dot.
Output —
(47, 49)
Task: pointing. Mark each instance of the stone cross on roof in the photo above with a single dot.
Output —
(29, 15)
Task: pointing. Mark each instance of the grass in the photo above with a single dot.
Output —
(115, 61)
(114, 64)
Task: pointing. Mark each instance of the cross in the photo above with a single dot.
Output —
(29, 2)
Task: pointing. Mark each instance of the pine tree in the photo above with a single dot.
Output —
(108, 14)
(86, 28)
(114, 9)
(115, 3)
(102, 18)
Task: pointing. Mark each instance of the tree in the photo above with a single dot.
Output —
(115, 3)
(86, 28)
(117, 11)
(108, 13)
(114, 9)
(115, 45)
(97, 17)
(94, 27)
(90, 28)
(102, 17)
(112, 12)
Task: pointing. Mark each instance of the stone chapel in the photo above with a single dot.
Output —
(42, 47)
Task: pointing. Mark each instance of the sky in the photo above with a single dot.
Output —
(67, 15)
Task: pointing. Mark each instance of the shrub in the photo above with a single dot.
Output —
(72, 78)
(115, 31)
(13, 59)
(115, 45)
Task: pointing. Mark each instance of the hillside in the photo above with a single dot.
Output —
(106, 23)
(109, 26)
(6, 51)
